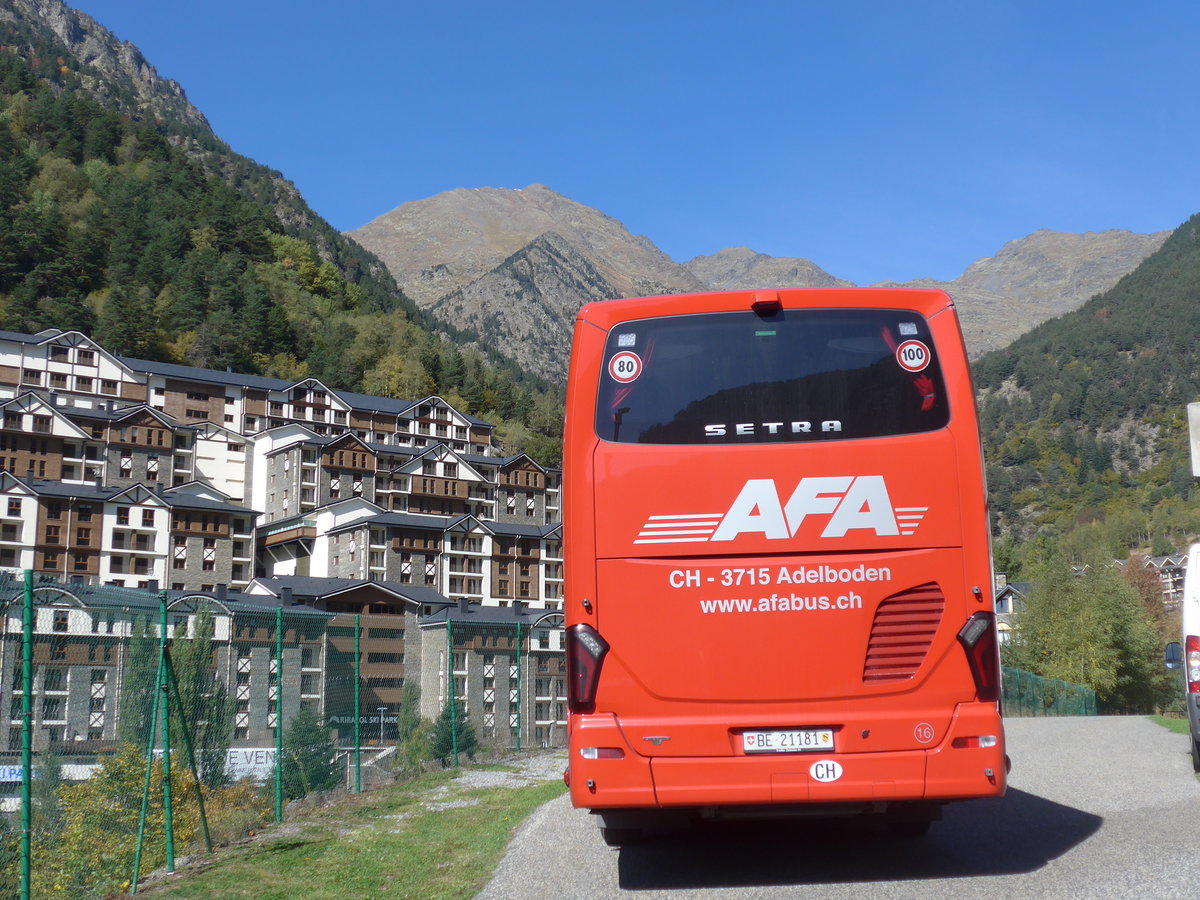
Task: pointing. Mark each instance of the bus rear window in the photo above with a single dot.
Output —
(798, 375)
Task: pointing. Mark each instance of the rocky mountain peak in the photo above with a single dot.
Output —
(119, 74)
(438, 245)
(514, 266)
(740, 267)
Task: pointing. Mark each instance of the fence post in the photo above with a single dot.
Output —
(168, 816)
(137, 857)
(358, 705)
(26, 729)
(187, 743)
(279, 714)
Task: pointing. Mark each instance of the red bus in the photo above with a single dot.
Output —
(778, 572)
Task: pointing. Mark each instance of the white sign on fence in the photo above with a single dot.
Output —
(250, 762)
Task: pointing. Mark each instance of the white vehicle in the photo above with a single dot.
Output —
(1189, 659)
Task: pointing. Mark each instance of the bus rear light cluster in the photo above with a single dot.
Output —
(1191, 662)
(585, 654)
(974, 743)
(978, 639)
(601, 752)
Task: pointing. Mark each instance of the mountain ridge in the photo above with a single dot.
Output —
(436, 245)
(457, 243)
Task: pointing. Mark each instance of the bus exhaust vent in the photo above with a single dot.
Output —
(904, 627)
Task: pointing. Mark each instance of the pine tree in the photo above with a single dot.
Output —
(308, 752)
(206, 705)
(140, 686)
(126, 325)
(410, 711)
(453, 731)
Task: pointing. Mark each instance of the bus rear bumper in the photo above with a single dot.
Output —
(960, 767)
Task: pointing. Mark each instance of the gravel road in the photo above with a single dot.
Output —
(1097, 807)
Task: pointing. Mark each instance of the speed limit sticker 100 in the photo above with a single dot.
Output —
(625, 367)
(913, 356)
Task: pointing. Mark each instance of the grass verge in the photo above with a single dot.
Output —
(435, 837)
(1179, 726)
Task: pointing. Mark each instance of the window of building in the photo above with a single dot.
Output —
(385, 658)
(52, 709)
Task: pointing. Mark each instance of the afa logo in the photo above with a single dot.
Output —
(845, 502)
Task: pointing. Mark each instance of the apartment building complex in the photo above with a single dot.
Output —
(257, 476)
(133, 474)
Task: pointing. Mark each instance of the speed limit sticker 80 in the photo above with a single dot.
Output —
(913, 356)
(625, 367)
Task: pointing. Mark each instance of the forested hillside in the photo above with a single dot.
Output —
(1085, 416)
(161, 243)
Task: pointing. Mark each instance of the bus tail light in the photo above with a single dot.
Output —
(1191, 662)
(601, 753)
(978, 638)
(976, 742)
(585, 654)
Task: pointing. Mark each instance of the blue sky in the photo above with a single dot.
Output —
(880, 140)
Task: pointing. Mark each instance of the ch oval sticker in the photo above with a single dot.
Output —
(825, 770)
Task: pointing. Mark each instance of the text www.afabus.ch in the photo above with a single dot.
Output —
(781, 603)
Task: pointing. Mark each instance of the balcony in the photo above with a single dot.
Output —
(133, 543)
(302, 532)
(139, 567)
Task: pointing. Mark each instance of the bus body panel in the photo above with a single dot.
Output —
(738, 585)
(941, 773)
(763, 499)
(781, 642)
(1190, 618)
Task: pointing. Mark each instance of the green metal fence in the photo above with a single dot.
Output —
(1026, 694)
(143, 724)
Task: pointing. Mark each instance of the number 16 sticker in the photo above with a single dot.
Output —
(913, 356)
(625, 367)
